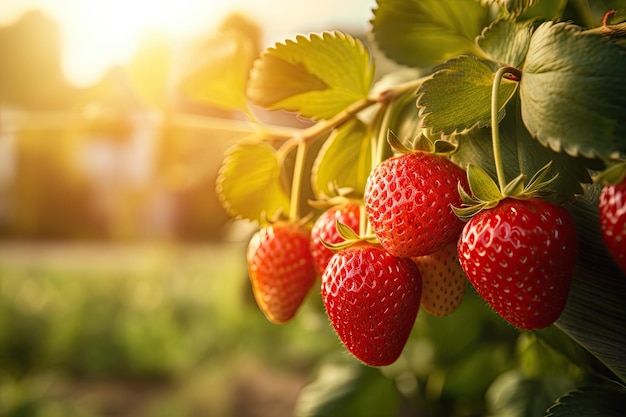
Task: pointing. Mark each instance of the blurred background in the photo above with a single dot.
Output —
(123, 285)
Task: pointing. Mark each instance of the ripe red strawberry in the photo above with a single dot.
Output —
(612, 209)
(325, 229)
(443, 281)
(520, 257)
(408, 199)
(372, 299)
(281, 269)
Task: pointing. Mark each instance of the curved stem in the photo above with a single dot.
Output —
(495, 129)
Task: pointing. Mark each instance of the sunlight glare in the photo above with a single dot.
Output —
(99, 33)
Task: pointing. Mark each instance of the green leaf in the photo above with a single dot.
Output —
(344, 161)
(221, 74)
(532, 156)
(545, 9)
(317, 76)
(249, 183)
(348, 390)
(422, 33)
(594, 315)
(572, 91)
(575, 353)
(506, 42)
(600, 400)
(513, 394)
(522, 154)
(458, 96)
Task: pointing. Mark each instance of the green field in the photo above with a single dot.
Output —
(145, 330)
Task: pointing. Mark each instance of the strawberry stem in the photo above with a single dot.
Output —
(296, 185)
(495, 130)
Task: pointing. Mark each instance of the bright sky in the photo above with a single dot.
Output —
(99, 33)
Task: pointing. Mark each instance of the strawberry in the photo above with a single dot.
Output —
(281, 269)
(443, 281)
(325, 229)
(372, 299)
(520, 257)
(612, 210)
(408, 200)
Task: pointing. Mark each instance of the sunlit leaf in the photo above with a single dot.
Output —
(317, 76)
(458, 96)
(506, 42)
(249, 183)
(344, 160)
(600, 400)
(422, 33)
(220, 75)
(573, 92)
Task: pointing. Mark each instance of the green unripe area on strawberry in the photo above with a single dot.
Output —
(372, 299)
(281, 269)
(520, 257)
(443, 281)
(325, 230)
(408, 199)
(612, 211)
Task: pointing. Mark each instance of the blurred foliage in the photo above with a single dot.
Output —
(105, 330)
(164, 318)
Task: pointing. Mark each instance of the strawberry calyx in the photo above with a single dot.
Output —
(340, 196)
(487, 194)
(614, 174)
(349, 238)
(421, 143)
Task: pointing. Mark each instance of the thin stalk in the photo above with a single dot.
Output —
(495, 129)
(296, 186)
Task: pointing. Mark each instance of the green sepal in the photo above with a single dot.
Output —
(346, 232)
(396, 144)
(483, 187)
(349, 236)
(515, 187)
(614, 174)
(537, 183)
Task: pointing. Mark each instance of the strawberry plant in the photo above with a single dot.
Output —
(500, 133)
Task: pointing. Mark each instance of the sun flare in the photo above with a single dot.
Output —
(103, 32)
(99, 33)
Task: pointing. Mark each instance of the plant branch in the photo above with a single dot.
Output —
(385, 96)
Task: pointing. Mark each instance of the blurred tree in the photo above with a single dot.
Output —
(30, 71)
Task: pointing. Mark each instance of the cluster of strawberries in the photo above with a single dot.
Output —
(519, 256)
